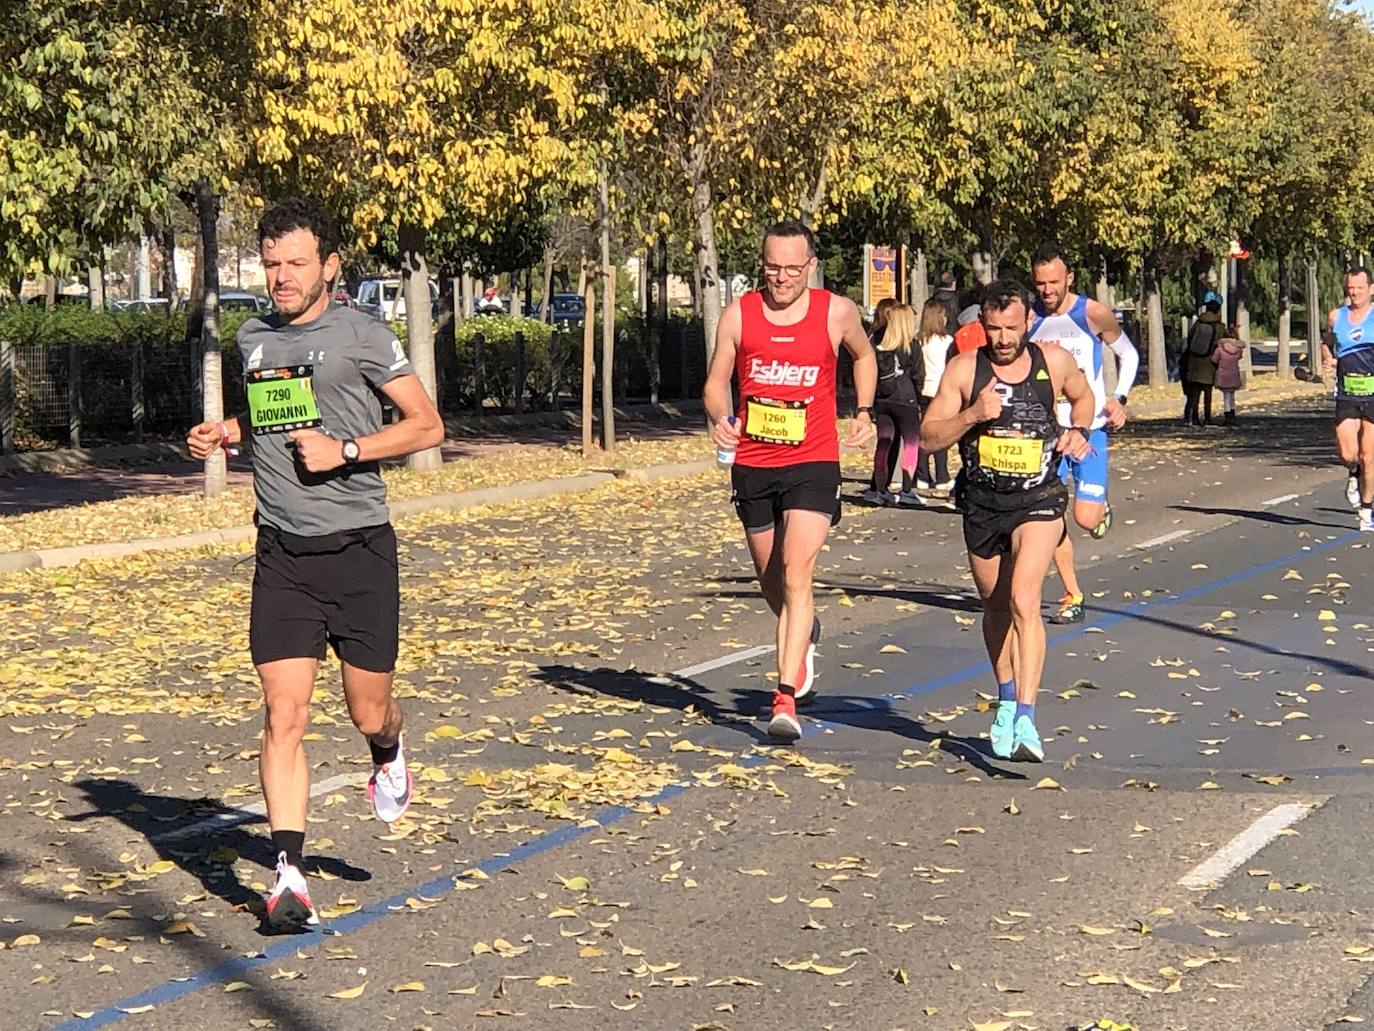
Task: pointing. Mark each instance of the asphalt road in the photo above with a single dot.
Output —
(603, 835)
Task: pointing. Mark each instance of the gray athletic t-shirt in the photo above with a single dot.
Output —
(350, 357)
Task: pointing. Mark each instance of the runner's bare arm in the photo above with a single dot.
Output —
(715, 395)
(1071, 382)
(205, 437)
(844, 320)
(947, 418)
(1329, 342)
(419, 427)
(1104, 324)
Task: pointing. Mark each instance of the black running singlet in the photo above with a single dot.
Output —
(1015, 451)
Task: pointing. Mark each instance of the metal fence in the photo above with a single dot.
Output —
(88, 394)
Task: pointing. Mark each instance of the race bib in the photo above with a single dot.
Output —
(775, 422)
(1358, 385)
(281, 400)
(1019, 456)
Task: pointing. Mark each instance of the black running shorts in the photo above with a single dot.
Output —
(341, 589)
(988, 525)
(762, 495)
(1350, 408)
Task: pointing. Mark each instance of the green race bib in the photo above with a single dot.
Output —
(1357, 384)
(281, 400)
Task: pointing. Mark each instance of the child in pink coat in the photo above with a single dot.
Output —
(1226, 358)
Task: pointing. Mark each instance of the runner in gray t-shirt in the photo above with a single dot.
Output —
(326, 569)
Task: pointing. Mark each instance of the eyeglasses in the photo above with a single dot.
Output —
(790, 271)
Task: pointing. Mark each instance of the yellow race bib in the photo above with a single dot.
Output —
(1019, 456)
(775, 422)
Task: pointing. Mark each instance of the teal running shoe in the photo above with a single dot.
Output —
(1001, 733)
(1026, 747)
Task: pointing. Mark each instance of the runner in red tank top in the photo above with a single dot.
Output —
(781, 342)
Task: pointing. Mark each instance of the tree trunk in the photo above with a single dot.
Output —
(546, 299)
(50, 292)
(588, 360)
(529, 290)
(1243, 316)
(981, 262)
(168, 245)
(1314, 322)
(920, 279)
(1103, 289)
(95, 282)
(195, 302)
(660, 318)
(1158, 368)
(211, 367)
(811, 206)
(706, 263)
(1284, 359)
(419, 329)
(143, 283)
(607, 318)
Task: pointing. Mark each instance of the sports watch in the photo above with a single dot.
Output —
(351, 453)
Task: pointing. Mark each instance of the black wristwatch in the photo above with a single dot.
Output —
(1083, 431)
(864, 408)
(351, 452)
(1120, 397)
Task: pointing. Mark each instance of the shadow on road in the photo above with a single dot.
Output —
(1260, 515)
(744, 708)
(209, 854)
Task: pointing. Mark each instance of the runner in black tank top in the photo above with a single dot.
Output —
(998, 403)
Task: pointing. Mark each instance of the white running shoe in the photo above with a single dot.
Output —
(390, 787)
(1366, 521)
(1352, 491)
(289, 907)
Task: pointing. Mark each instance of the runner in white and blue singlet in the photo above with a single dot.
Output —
(1348, 353)
(1082, 327)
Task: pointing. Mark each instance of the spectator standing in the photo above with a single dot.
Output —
(1226, 357)
(1196, 369)
(934, 342)
(896, 410)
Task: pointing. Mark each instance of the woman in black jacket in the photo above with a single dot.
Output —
(896, 409)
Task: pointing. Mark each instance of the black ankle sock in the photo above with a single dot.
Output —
(383, 754)
(290, 842)
(787, 689)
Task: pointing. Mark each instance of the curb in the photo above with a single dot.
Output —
(68, 459)
(53, 558)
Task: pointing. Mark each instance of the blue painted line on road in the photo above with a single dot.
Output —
(239, 967)
(1114, 617)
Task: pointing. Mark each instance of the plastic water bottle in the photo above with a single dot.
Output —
(725, 457)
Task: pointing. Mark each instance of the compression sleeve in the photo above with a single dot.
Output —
(1128, 363)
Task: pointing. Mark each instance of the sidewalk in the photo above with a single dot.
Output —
(468, 438)
(156, 509)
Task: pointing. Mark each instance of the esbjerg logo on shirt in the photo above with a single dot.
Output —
(783, 374)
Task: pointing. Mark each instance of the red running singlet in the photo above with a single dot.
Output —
(786, 380)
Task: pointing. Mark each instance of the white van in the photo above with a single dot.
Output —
(382, 298)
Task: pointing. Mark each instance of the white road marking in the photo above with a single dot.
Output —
(1211, 872)
(1280, 501)
(234, 817)
(687, 672)
(1155, 542)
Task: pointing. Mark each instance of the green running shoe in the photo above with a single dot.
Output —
(1100, 530)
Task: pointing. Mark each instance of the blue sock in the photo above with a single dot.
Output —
(1007, 692)
(1025, 709)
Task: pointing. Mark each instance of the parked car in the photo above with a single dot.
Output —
(242, 300)
(567, 309)
(144, 304)
(380, 298)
